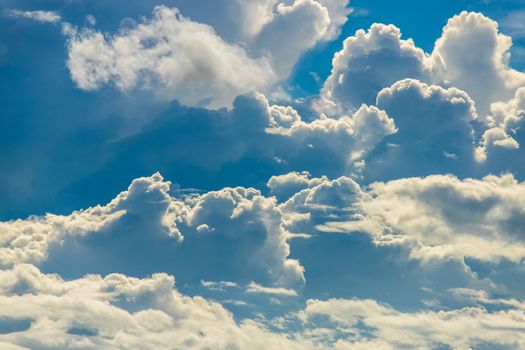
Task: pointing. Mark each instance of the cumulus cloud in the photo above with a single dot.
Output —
(29, 240)
(471, 55)
(117, 311)
(506, 132)
(370, 61)
(188, 61)
(435, 131)
(38, 16)
(441, 216)
(242, 217)
(352, 137)
(285, 186)
(458, 329)
(272, 139)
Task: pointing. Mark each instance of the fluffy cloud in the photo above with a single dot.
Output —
(506, 132)
(42, 311)
(368, 320)
(240, 217)
(188, 61)
(435, 131)
(441, 216)
(470, 54)
(29, 240)
(352, 137)
(39, 16)
(249, 220)
(117, 311)
(473, 56)
(285, 186)
(369, 62)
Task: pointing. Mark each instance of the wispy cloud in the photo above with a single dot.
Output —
(39, 16)
(257, 288)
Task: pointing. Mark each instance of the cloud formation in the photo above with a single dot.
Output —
(188, 61)
(387, 328)
(470, 55)
(242, 217)
(117, 311)
(441, 216)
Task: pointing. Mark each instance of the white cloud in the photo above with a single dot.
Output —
(285, 186)
(473, 56)
(29, 240)
(470, 54)
(38, 16)
(219, 286)
(240, 215)
(188, 61)
(441, 216)
(118, 311)
(257, 288)
(350, 137)
(507, 121)
(435, 131)
(185, 59)
(368, 320)
(369, 62)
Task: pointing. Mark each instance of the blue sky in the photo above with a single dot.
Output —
(264, 174)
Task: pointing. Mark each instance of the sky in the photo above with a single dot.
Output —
(262, 174)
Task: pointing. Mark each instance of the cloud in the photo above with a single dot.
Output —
(117, 311)
(244, 145)
(352, 137)
(29, 240)
(247, 222)
(188, 61)
(369, 62)
(506, 132)
(368, 320)
(441, 216)
(245, 217)
(257, 288)
(219, 286)
(285, 186)
(435, 131)
(38, 16)
(471, 55)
